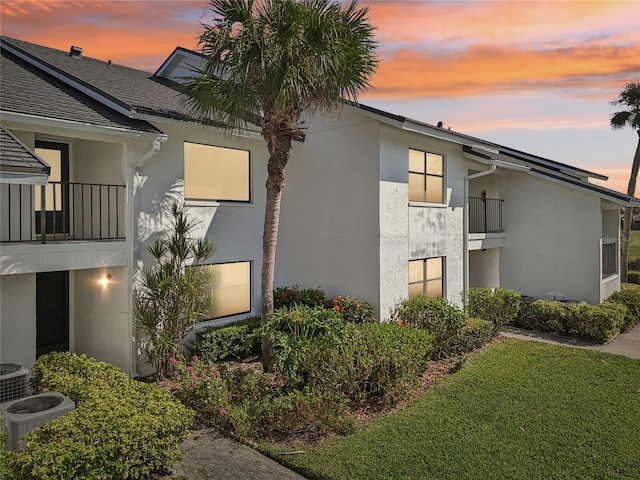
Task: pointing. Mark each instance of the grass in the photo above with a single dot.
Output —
(520, 410)
(634, 244)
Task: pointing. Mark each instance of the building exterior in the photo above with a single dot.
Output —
(376, 205)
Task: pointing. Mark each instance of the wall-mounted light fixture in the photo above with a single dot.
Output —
(106, 278)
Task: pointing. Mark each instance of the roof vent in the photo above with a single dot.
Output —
(75, 51)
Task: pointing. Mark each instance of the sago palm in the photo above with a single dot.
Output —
(629, 98)
(275, 60)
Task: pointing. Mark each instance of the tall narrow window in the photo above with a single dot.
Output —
(426, 277)
(231, 288)
(216, 173)
(426, 177)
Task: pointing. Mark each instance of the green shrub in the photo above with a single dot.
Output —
(287, 297)
(201, 384)
(634, 264)
(293, 332)
(633, 276)
(497, 305)
(4, 437)
(227, 342)
(120, 428)
(474, 334)
(352, 309)
(628, 295)
(593, 322)
(434, 315)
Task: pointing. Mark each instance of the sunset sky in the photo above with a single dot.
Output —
(534, 75)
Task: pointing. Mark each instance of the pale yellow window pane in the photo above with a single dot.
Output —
(416, 187)
(415, 289)
(215, 173)
(54, 159)
(231, 289)
(434, 268)
(416, 271)
(434, 164)
(434, 288)
(434, 189)
(416, 161)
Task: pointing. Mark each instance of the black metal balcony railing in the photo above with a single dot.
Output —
(62, 211)
(485, 215)
(609, 259)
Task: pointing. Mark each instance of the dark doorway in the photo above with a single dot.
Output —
(52, 312)
(56, 191)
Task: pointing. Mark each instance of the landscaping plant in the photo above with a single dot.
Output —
(120, 428)
(233, 341)
(174, 293)
(498, 305)
(629, 295)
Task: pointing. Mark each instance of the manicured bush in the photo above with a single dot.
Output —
(120, 428)
(201, 384)
(434, 315)
(227, 342)
(378, 363)
(287, 297)
(497, 305)
(474, 334)
(633, 276)
(593, 322)
(352, 309)
(629, 295)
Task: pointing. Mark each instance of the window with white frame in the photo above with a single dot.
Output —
(426, 277)
(426, 177)
(231, 288)
(216, 173)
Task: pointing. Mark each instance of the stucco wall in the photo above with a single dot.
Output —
(484, 268)
(552, 239)
(329, 234)
(100, 323)
(18, 319)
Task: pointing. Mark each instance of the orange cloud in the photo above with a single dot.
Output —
(493, 69)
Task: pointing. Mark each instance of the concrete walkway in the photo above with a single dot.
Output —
(627, 344)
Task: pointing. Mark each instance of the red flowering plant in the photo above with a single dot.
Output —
(287, 297)
(352, 309)
(201, 384)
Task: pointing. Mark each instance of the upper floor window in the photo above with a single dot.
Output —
(216, 173)
(426, 277)
(426, 177)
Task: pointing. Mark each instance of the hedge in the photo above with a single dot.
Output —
(227, 342)
(593, 322)
(474, 334)
(629, 295)
(497, 305)
(120, 428)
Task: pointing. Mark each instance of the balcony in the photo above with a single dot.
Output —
(62, 212)
(609, 259)
(485, 215)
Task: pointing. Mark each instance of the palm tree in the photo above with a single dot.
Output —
(630, 116)
(279, 59)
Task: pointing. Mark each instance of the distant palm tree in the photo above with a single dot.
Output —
(279, 59)
(629, 117)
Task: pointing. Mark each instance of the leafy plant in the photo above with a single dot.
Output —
(629, 295)
(201, 384)
(173, 294)
(287, 297)
(227, 342)
(435, 315)
(497, 305)
(352, 309)
(120, 428)
(475, 333)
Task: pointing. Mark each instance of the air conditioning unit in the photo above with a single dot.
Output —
(23, 415)
(13, 381)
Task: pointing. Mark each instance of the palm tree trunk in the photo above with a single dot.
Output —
(628, 214)
(279, 146)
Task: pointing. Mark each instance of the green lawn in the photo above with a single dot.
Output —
(634, 244)
(520, 410)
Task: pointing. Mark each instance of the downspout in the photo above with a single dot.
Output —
(465, 232)
(132, 198)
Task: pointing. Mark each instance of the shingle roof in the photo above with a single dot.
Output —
(550, 172)
(26, 90)
(134, 90)
(15, 157)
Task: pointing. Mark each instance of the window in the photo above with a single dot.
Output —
(231, 288)
(426, 277)
(215, 173)
(426, 177)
